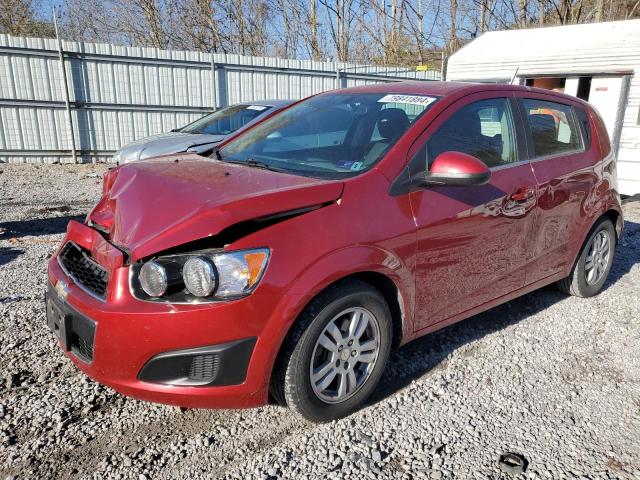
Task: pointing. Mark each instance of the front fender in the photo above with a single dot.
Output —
(330, 269)
(359, 259)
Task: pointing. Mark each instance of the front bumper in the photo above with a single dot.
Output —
(169, 353)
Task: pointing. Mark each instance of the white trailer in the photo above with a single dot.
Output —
(598, 62)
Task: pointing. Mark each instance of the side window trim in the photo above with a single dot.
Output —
(526, 128)
(522, 138)
(529, 136)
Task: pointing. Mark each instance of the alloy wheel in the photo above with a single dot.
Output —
(345, 355)
(598, 257)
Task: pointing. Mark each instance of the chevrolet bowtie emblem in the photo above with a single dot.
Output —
(62, 289)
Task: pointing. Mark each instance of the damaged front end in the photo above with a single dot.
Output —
(174, 223)
(146, 295)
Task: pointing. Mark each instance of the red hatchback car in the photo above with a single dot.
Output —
(293, 260)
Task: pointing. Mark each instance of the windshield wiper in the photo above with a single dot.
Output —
(253, 163)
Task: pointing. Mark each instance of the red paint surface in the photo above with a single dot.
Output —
(451, 251)
(456, 163)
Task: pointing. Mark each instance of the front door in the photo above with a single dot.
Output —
(473, 241)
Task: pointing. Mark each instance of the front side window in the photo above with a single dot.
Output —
(226, 120)
(484, 129)
(553, 127)
(335, 135)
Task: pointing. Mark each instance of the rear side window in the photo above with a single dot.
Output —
(583, 118)
(554, 128)
(484, 129)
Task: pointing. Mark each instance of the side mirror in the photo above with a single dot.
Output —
(455, 168)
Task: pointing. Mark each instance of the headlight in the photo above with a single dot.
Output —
(200, 276)
(153, 279)
(239, 272)
(207, 275)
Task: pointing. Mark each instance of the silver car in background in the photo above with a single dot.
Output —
(203, 134)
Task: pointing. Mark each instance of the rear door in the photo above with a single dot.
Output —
(564, 164)
(473, 241)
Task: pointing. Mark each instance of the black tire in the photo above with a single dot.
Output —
(291, 382)
(576, 283)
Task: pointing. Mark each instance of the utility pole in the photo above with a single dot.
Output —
(383, 5)
(214, 87)
(67, 102)
(315, 49)
(421, 31)
(394, 14)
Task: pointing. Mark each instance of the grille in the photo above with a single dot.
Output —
(204, 368)
(84, 271)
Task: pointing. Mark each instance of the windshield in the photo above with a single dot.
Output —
(334, 135)
(226, 120)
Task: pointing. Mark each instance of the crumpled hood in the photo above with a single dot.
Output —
(164, 144)
(150, 206)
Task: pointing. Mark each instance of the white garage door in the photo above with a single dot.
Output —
(605, 96)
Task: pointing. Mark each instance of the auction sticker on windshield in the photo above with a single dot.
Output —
(256, 107)
(411, 99)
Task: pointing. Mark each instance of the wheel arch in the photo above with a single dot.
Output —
(616, 218)
(392, 295)
(381, 282)
(613, 213)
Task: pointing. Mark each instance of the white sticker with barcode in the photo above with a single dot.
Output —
(256, 107)
(411, 99)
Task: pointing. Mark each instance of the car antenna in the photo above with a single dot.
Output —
(513, 78)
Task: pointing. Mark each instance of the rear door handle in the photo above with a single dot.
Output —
(523, 194)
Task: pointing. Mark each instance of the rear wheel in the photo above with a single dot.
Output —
(593, 265)
(336, 352)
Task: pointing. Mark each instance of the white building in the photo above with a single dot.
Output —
(597, 62)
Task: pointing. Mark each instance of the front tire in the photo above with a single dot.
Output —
(593, 265)
(336, 352)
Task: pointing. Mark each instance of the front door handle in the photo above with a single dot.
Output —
(523, 194)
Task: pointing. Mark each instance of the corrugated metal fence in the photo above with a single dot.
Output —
(119, 94)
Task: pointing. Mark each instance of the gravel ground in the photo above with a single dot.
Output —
(552, 378)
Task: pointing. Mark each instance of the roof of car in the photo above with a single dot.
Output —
(442, 89)
(429, 87)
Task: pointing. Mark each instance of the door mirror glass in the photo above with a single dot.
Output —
(455, 168)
